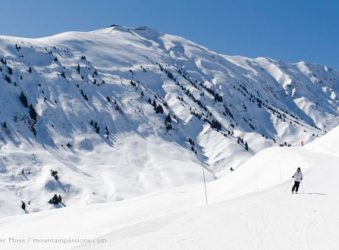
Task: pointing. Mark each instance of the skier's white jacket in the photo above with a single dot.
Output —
(298, 176)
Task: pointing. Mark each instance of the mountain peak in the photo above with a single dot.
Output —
(135, 110)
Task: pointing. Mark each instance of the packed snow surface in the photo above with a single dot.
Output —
(135, 117)
(252, 208)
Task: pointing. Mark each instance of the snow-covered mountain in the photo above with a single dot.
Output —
(120, 112)
(251, 208)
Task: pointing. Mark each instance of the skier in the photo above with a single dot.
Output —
(298, 176)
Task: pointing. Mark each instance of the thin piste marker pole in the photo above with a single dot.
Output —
(205, 188)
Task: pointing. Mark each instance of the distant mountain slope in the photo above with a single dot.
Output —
(252, 208)
(121, 111)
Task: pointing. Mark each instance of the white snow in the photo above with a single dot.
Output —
(252, 208)
(96, 127)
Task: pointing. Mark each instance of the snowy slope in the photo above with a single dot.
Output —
(121, 112)
(244, 212)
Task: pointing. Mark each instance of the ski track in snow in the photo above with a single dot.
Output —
(125, 175)
(258, 216)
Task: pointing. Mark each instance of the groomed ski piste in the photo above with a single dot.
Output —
(251, 208)
(122, 112)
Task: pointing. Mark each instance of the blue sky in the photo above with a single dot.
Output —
(289, 30)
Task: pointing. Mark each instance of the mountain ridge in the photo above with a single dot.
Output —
(107, 98)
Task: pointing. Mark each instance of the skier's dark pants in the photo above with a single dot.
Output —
(296, 186)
